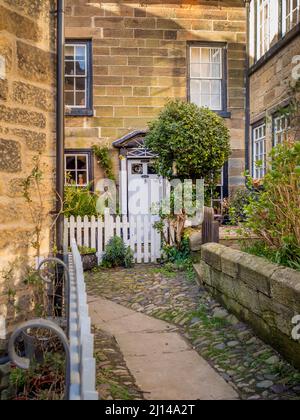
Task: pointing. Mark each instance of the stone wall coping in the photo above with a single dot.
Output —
(259, 273)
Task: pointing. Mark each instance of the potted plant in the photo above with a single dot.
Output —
(89, 257)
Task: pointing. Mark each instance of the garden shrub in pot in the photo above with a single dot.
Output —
(117, 254)
(88, 257)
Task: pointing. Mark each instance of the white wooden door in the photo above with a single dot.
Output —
(144, 187)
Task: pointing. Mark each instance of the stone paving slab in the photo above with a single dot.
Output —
(162, 362)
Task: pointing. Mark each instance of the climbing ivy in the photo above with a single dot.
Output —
(102, 154)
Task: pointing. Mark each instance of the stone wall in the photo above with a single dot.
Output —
(140, 60)
(264, 295)
(270, 87)
(27, 125)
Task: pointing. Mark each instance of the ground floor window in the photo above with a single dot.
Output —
(78, 168)
(259, 151)
(281, 128)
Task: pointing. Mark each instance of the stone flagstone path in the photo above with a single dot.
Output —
(162, 362)
(248, 365)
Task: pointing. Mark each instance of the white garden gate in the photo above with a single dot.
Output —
(137, 231)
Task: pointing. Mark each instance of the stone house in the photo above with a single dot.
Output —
(125, 59)
(27, 129)
(274, 48)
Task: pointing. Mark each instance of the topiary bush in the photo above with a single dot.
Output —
(117, 254)
(194, 140)
(191, 143)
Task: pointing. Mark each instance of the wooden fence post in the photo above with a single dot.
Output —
(210, 227)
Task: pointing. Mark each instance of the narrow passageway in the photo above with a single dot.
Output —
(176, 342)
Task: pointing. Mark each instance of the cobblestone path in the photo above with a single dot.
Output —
(253, 368)
(114, 381)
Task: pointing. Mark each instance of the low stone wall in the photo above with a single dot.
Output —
(264, 295)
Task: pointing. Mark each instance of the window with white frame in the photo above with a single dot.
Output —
(207, 88)
(281, 128)
(77, 169)
(259, 151)
(77, 76)
(263, 26)
(290, 14)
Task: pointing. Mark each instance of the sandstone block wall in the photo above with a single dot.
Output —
(27, 128)
(262, 294)
(140, 60)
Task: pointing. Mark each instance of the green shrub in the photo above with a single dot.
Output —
(79, 201)
(274, 215)
(179, 259)
(260, 249)
(193, 140)
(85, 250)
(117, 254)
(237, 203)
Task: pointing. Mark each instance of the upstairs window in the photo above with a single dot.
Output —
(78, 80)
(263, 27)
(259, 151)
(290, 14)
(207, 83)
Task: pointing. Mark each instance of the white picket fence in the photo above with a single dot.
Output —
(137, 231)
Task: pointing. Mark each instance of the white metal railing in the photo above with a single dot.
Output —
(82, 363)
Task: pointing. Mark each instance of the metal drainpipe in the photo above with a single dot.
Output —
(247, 85)
(60, 122)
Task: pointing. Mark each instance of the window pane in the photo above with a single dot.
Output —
(71, 177)
(80, 68)
(216, 55)
(216, 87)
(195, 70)
(69, 98)
(69, 68)
(69, 83)
(80, 53)
(151, 169)
(205, 87)
(216, 102)
(205, 101)
(81, 162)
(80, 83)
(80, 99)
(69, 52)
(205, 55)
(81, 178)
(205, 70)
(195, 92)
(195, 55)
(70, 162)
(216, 71)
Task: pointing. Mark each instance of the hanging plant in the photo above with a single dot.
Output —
(104, 160)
